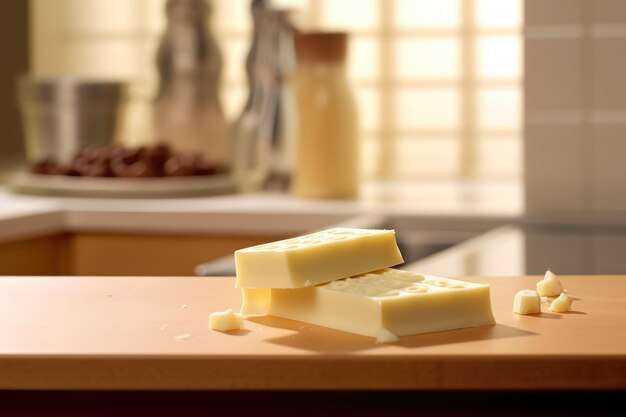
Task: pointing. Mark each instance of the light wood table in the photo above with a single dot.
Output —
(68, 333)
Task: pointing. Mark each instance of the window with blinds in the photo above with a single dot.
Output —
(438, 82)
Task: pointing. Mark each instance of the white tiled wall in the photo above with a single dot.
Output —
(609, 11)
(575, 106)
(572, 256)
(553, 12)
(554, 178)
(608, 182)
(608, 71)
(607, 253)
(556, 84)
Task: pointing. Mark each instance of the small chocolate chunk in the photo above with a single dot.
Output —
(47, 166)
(90, 153)
(80, 165)
(141, 169)
(98, 168)
(119, 167)
(180, 165)
(203, 166)
(118, 161)
(116, 152)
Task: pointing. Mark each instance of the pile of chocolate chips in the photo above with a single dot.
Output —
(118, 161)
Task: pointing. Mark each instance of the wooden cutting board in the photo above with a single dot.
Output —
(152, 333)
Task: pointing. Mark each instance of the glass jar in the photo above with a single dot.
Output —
(327, 147)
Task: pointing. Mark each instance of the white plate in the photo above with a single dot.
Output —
(24, 182)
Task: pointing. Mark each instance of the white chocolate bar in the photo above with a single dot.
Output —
(256, 301)
(527, 302)
(316, 258)
(562, 304)
(549, 286)
(225, 320)
(384, 304)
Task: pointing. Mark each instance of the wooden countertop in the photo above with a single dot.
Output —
(152, 333)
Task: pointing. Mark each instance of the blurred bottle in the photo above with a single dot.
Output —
(262, 135)
(327, 146)
(187, 110)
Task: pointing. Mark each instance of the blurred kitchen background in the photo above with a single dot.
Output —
(438, 83)
(504, 117)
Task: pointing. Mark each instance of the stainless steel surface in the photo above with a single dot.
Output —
(263, 148)
(62, 115)
(531, 249)
(187, 109)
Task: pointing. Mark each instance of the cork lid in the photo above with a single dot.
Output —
(322, 47)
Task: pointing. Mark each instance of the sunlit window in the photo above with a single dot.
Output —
(438, 82)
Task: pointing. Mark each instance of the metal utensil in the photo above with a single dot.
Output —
(62, 115)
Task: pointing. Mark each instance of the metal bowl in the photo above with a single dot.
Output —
(62, 115)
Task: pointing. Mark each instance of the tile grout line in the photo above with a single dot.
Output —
(587, 146)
